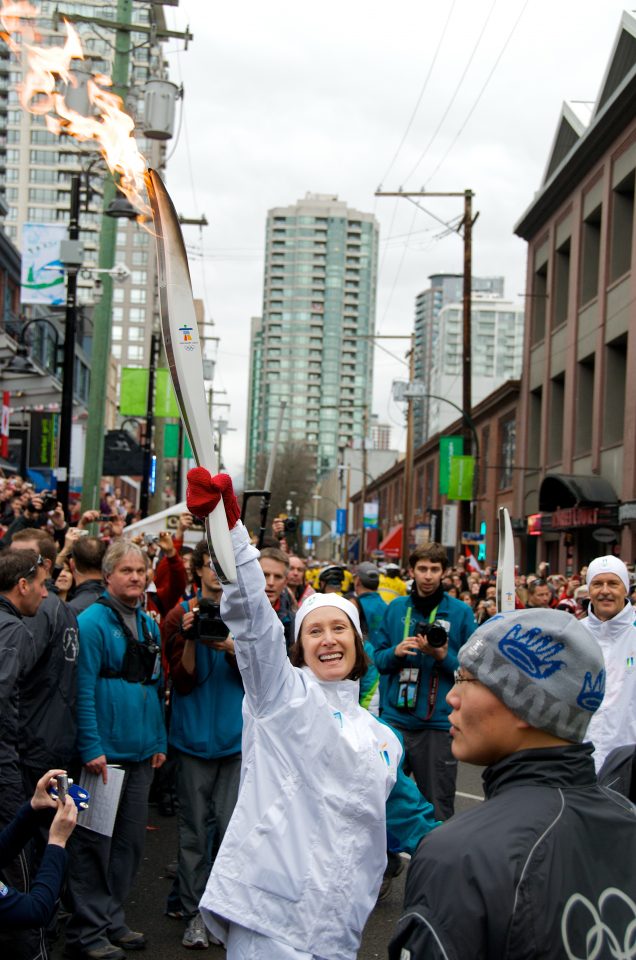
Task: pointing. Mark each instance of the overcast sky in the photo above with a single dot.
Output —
(342, 97)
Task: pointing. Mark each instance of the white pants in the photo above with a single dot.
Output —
(244, 944)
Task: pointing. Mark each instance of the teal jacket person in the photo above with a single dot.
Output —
(399, 622)
(121, 720)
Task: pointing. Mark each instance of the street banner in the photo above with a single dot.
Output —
(449, 447)
(165, 398)
(370, 516)
(341, 521)
(450, 516)
(462, 471)
(43, 279)
(171, 442)
(42, 440)
(133, 392)
(4, 425)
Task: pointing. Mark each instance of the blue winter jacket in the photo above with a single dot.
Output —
(206, 717)
(374, 609)
(391, 632)
(124, 721)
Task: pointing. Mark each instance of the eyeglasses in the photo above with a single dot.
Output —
(38, 563)
(461, 679)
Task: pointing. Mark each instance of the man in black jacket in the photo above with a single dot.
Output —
(545, 867)
(48, 681)
(22, 589)
(85, 562)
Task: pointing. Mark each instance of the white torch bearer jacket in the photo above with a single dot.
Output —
(614, 723)
(303, 856)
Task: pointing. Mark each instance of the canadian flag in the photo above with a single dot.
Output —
(4, 425)
(471, 562)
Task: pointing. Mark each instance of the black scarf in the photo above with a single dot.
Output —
(426, 605)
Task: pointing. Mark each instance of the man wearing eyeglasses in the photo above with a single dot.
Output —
(48, 683)
(22, 589)
(545, 866)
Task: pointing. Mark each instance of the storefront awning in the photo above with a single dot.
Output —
(559, 491)
(391, 546)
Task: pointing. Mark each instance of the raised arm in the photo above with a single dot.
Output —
(268, 677)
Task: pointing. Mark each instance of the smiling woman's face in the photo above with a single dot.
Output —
(328, 640)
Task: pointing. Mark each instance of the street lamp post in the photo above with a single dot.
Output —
(68, 378)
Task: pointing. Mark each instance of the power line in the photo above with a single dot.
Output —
(481, 92)
(455, 91)
(422, 91)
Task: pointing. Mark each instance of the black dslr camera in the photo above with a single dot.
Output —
(435, 632)
(207, 623)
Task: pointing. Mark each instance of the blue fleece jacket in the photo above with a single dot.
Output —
(206, 718)
(374, 609)
(392, 631)
(124, 721)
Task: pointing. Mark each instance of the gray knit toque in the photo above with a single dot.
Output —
(543, 664)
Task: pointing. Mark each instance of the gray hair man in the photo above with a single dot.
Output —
(610, 620)
(120, 721)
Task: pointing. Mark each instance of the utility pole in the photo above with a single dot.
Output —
(467, 224)
(408, 464)
(467, 349)
(100, 355)
(101, 350)
(363, 489)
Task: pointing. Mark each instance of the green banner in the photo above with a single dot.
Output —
(133, 392)
(171, 442)
(460, 485)
(449, 447)
(165, 399)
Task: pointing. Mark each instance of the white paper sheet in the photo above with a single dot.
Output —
(102, 809)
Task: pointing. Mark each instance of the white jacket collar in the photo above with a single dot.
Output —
(616, 625)
(335, 691)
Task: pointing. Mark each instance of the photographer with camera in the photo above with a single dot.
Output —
(119, 721)
(205, 730)
(35, 511)
(417, 645)
(35, 909)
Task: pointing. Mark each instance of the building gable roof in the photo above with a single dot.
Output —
(579, 141)
(570, 129)
(621, 61)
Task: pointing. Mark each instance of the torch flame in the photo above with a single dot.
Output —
(110, 128)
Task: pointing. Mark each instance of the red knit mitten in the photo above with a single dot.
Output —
(204, 492)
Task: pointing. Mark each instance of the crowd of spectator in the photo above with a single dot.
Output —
(79, 596)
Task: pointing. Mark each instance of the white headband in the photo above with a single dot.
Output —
(608, 564)
(326, 600)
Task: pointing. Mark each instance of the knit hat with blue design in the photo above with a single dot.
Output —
(543, 664)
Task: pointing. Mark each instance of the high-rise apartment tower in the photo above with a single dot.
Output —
(312, 346)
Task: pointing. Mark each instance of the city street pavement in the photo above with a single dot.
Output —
(145, 909)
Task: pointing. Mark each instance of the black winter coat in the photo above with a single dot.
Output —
(48, 688)
(546, 862)
(16, 642)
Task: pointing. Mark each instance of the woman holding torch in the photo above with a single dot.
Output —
(302, 860)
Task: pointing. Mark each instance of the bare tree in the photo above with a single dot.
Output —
(293, 479)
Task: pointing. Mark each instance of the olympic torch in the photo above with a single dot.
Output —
(183, 350)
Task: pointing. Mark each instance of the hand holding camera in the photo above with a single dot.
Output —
(432, 638)
(204, 625)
